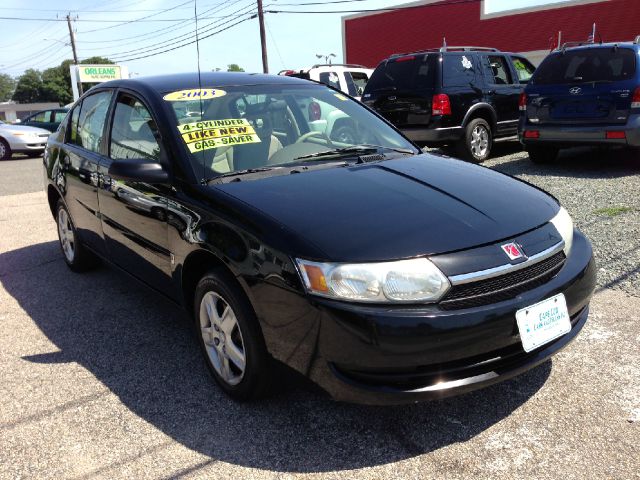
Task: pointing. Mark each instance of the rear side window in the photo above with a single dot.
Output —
(41, 117)
(584, 66)
(93, 113)
(524, 69)
(331, 79)
(73, 126)
(458, 70)
(405, 73)
(359, 80)
(497, 70)
(59, 116)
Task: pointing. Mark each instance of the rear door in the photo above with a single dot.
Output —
(462, 82)
(134, 214)
(587, 86)
(503, 91)
(81, 154)
(401, 89)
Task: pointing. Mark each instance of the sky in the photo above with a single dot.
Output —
(122, 34)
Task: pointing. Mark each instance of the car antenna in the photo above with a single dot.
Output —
(195, 13)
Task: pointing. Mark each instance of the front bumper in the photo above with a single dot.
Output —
(394, 355)
(28, 146)
(581, 135)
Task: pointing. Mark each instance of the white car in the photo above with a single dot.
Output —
(350, 79)
(22, 139)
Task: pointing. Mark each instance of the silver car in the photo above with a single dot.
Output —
(21, 139)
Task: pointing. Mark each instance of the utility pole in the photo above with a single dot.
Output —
(263, 40)
(73, 47)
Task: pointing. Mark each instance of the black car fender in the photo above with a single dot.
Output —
(481, 110)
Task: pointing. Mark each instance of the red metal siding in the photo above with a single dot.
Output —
(372, 38)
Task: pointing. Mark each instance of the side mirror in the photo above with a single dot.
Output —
(139, 170)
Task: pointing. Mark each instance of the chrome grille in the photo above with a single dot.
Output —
(502, 287)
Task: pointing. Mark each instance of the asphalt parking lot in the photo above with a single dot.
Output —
(100, 378)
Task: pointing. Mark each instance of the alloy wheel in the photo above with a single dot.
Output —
(222, 338)
(479, 141)
(65, 232)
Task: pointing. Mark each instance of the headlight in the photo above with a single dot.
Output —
(404, 281)
(564, 225)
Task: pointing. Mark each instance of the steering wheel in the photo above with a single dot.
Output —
(314, 133)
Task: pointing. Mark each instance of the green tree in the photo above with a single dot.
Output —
(56, 81)
(56, 86)
(234, 67)
(29, 87)
(7, 84)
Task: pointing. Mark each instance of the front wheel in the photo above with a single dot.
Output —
(477, 141)
(542, 155)
(230, 337)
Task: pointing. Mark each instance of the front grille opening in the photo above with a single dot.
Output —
(503, 287)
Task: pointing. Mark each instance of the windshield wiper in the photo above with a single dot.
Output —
(239, 173)
(282, 169)
(358, 149)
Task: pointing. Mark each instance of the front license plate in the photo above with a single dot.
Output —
(543, 322)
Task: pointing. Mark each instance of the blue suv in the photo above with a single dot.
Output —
(584, 95)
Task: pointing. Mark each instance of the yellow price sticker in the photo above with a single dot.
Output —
(194, 94)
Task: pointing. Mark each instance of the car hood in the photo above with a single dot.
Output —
(23, 128)
(399, 208)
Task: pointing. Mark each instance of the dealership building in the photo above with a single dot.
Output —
(371, 37)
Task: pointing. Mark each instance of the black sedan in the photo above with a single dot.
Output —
(384, 274)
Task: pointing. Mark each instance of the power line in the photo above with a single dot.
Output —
(39, 29)
(189, 43)
(185, 36)
(366, 10)
(154, 32)
(140, 19)
(35, 56)
(319, 3)
(97, 20)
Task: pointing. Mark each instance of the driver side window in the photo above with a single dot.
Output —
(134, 133)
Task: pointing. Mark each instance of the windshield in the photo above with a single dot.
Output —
(265, 126)
(585, 66)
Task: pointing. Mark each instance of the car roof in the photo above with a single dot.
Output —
(184, 81)
(590, 46)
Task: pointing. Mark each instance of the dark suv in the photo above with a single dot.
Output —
(466, 97)
(584, 95)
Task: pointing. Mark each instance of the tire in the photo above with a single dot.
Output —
(477, 141)
(230, 337)
(542, 155)
(75, 255)
(5, 150)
